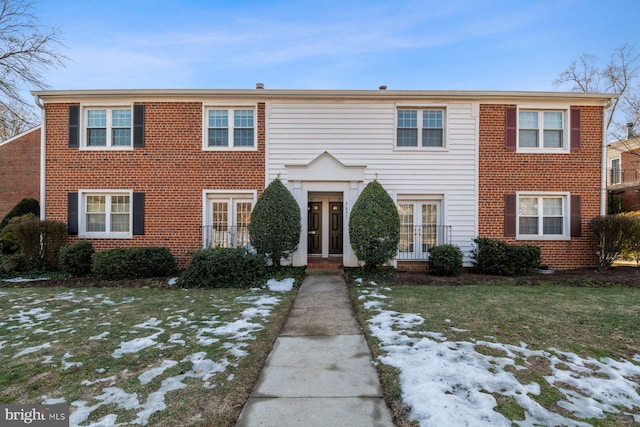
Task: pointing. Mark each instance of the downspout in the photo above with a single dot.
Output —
(603, 169)
(42, 158)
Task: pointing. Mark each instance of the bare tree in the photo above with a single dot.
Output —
(586, 74)
(27, 50)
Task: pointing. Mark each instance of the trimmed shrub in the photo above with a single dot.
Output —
(26, 233)
(224, 268)
(54, 236)
(133, 263)
(39, 241)
(497, 257)
(75, 259)
(445, 260)
(275, 224)
(374, 226)
(24, 207)
(610, 237)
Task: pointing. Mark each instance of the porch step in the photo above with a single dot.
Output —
(324, 263)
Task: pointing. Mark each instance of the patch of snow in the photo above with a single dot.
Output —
(449, 383)
(100, 337)
(67, 365)
(21, 280)
(280, 286)
(30, 350)
(147, 376)
(52, 400)
(172, 281)
(112, 379)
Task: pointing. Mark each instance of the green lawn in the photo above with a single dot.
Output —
(593, 323)
(165, 356)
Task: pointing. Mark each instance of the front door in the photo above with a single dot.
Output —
(335, 227)
(314, 245)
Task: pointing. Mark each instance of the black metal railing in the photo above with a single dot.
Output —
(415, 241)
(226, 237)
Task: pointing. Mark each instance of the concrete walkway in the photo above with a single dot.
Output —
(319, 372)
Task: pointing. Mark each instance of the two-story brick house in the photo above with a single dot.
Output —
(623, 161)
(183, 168)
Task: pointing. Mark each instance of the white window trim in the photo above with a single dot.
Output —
(84, 122)
(566, 129)
(419, 199)
(230, 107)
(619, 171)
(566, 220)
(422, 107)
(82, 226)
(231, 196)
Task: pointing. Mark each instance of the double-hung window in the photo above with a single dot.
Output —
(107, 214)
(108, 127)
(420, 127)
(543, 216)
(542, 130)
(230, 128)
(616, 172)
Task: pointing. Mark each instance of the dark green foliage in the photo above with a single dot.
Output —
(275, 224)
(497, 257)
(24, 207)
(445, 260)
(609, 235)
(54, 237)
(75, 259)
(133, 263)
(374, 226)
(220, 267)
(8, 243)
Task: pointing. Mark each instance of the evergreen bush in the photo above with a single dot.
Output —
(611, 236)
(497, 257)
(133, 263)
(445, 260)
(39, 241)
(274, 229)
(374, 226)
(24, 207)
(220, 267)
(75, 259)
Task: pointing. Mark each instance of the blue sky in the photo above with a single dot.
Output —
(430, 45)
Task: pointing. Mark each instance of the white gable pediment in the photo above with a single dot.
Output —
(325, 167)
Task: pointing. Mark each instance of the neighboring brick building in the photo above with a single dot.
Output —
(183, 168)
(19, 169)
(623, 178)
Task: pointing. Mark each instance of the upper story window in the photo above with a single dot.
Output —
(420, 127)
(232, 128)
(541, 130)
(616, 172)
(108, 127)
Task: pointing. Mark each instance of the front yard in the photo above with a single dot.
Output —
(122, 356)
(501, 354)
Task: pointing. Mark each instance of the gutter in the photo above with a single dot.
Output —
(43, 135)
(603, 167)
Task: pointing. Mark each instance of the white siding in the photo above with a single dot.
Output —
(362, 134)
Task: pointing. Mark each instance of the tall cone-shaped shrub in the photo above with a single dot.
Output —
(374, 226)
(275, 224)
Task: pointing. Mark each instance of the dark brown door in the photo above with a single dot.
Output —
(314, 242)
(335, 227)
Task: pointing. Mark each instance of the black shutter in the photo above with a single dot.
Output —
(138, 126)
(576, 217)
(510, 215)
(511, 128)
(138, 214)
(72, 213)
(575, 129)
(74, 126)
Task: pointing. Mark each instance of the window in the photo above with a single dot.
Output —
(106, 215)
(542, 216)
(419, 229)
(616, 172)
(541, 129)
(230, 128)
(228, 220)
(420, 128)
(108, 127)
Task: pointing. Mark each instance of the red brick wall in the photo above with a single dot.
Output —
(171, 169)
(507, 172)
(19, 171)
(630, 165)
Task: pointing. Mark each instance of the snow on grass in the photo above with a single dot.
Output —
(449, 382)
(281, 285)
(33, 349)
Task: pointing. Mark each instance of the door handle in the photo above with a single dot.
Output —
(312, 232)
